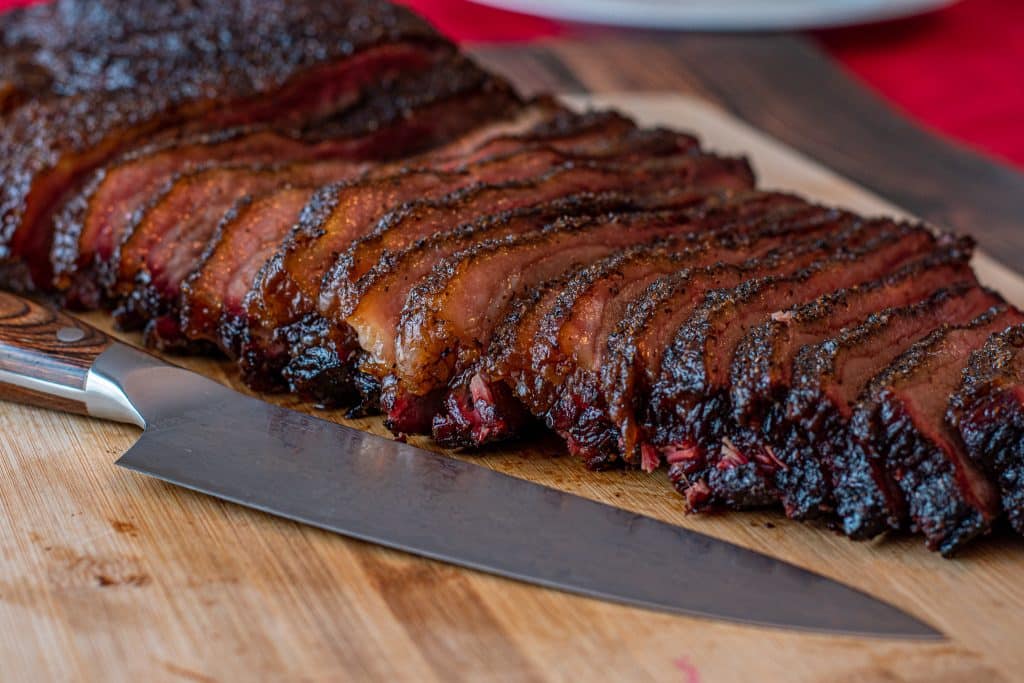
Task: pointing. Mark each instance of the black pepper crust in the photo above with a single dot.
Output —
(392, 265)
(987, 410)
(948, 505)
(761, 367)
(74, 47)
(405, 224)
(645, 175)
(690, 399)
(429, 349)
(724, 221)
(211, 65)
(468, 421)
(138, 300)
(867, 501)
(758, 371)
(396, 118)
(579, 408)
(627, 384)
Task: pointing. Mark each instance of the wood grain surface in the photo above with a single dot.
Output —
(41, 343)
(108, 575)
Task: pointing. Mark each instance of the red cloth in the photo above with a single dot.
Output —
(957, 70)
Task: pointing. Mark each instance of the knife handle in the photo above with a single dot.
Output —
(45, 356)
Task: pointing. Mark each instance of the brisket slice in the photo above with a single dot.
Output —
(213, 295)
(829, 377)
(687, 407)
(370, 258)
(73, 47)
(161, 247)
(763, 364)
(212, 305)
(282, 306)
(418, 111)
(386, 288)
(900, 422)
(400, 228)
(72, 136)
(449, 317)
(536, 351)
(987, 410)
(633, 350)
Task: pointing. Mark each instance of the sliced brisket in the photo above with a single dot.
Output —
(282, 306)
(688, 406)
(634, 350)
(763, 363)
(72, 136)
(987, 410)
(416, 112)
(829, 377)
(422, 219)
(449, 317)
(163, 244)
(900, 422)
(543, 349)
(385, 289)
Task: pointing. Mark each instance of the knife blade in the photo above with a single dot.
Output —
(206, 437)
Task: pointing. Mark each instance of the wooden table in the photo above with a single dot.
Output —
(108, 575)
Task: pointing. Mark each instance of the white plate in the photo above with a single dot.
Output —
(777, 165)
(722, 15)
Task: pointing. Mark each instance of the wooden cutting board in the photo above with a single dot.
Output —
(108, 575)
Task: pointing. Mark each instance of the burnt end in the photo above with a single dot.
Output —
(320, 376)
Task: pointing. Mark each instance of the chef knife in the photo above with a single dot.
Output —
(204, 436)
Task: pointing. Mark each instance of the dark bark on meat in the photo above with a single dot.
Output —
(75, 47)
(762, 365)
(987, 410)
(392, 119)
(689, 404)
(269, 61)
(635, 349)
(541, 361)
(290, 284)
(830, 376)
(900, 422)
